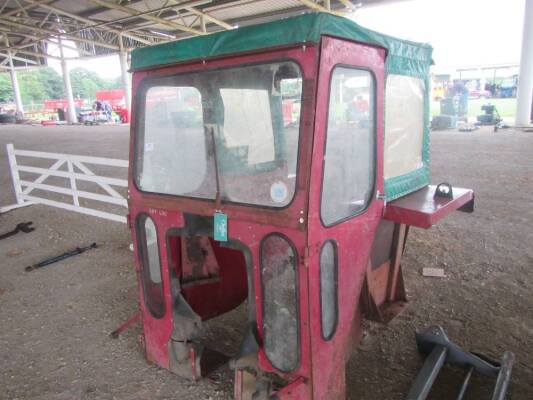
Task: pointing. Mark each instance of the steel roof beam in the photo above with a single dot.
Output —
(349, 5)
(317, 7)
(25, 8)
(26, 60)
(90, 22)
(56, 34)
(35, 54)
(37, 38)
(148, 17)
(209, 17)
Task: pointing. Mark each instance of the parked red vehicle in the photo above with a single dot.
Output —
(238, 195)
(116, 98)
(479, 94)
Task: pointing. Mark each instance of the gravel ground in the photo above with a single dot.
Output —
(54, 322)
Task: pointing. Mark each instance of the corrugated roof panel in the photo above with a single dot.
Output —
(250, 7)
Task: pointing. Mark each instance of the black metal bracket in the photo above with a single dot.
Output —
(445, 190)
(22, 227)
(440, 350)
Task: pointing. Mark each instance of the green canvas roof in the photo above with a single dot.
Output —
(404, 57)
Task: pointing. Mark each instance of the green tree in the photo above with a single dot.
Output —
(32, 89)
(85, 83)
(6, 92)
(45, 83)
(52, 83)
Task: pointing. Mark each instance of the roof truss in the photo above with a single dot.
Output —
(101, 27)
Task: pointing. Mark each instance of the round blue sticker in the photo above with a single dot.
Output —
(278, 192)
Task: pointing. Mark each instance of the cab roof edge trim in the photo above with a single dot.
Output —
(306, 28)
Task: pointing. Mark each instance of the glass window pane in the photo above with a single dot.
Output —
(174, 163)
(404, 125)
(349, 161)
(280, 309)
(151, 266)
(243, 122)
(328, 289)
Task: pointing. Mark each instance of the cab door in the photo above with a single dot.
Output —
(346, 202)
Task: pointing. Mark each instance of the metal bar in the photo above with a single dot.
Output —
(148, 17)
(348, 4)
(525, 83)
(81, 210)
(5, 209)
(130, 322)
(71, 108)
(35, 54)
(317, 7)
(91, 23)
(427, 375)
(80, 193)
(14, 80)
(63, 174)
(26, 60)
(100, 197)
(104, 186)
(73, 186)
(15, 177)
(113, 162)
(65, 46)
(504, 377)
(42, 178)
(209, 17)
(49, 32)
(466, 382)
(27, 7)
(124, 76)
(138, 28)
(398, 241)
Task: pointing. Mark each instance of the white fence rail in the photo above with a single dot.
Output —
(24, 187)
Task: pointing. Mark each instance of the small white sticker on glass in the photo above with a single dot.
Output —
(148, 147)
(278, 192)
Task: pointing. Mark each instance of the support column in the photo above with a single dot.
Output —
(525, 79)
(14, 81)
(15, 85)
(123, 57)
(71, 108)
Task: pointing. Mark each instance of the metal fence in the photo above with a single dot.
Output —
(75, 173)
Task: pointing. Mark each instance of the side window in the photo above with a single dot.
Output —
(404, 125)
(150, 265)
(349, 160)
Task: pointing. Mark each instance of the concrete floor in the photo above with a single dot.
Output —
(54, 322)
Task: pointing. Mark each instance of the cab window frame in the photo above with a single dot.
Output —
(144, 263)
(372, 130)
(139, 124)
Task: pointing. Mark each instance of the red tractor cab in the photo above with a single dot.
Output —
(280, 165)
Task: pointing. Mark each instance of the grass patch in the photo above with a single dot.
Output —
(506, 107)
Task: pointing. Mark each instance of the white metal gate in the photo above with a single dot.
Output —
(24, 187)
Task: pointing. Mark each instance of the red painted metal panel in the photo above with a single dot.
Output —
(53, 105)
(354, 236)
(307, 58)
(422, 209)
(247, 225)
(115, 97)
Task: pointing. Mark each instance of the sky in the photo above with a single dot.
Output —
(463, 33)
(107, 67)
